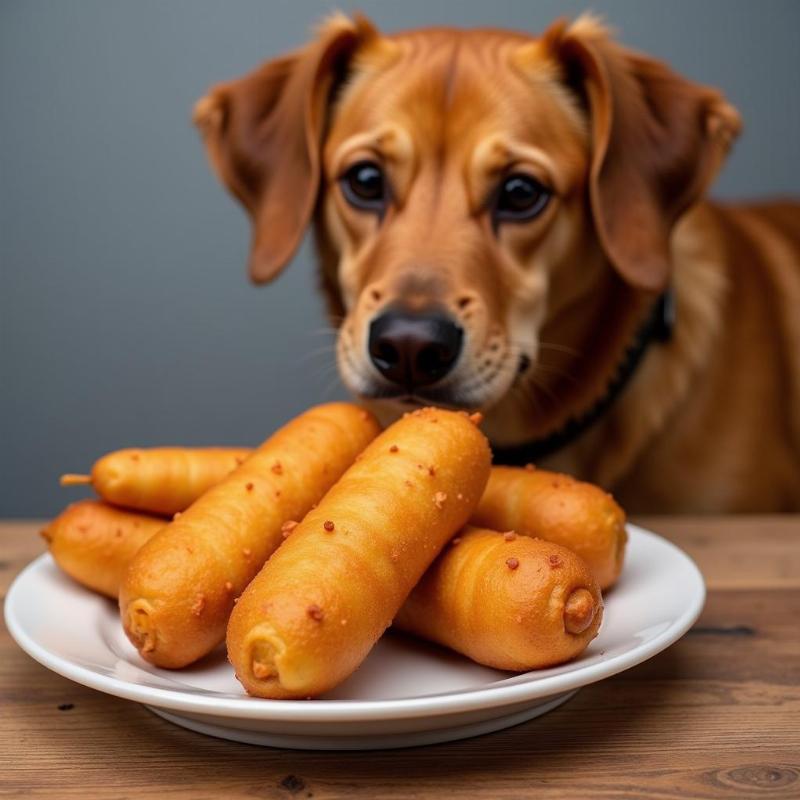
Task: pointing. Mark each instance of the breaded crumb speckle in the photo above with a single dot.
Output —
(198, 605)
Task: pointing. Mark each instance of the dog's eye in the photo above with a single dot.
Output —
(364, 186)
(520, 197)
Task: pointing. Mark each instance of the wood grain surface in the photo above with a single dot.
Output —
(717, 715)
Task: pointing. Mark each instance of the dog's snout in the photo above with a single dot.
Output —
(414, 349)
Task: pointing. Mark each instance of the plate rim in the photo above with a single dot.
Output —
(321, 711)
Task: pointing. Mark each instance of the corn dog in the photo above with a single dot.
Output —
(507, 601)
(160, 480)
(557, 508)
(180, 587)
(321, 602)
(94, 542)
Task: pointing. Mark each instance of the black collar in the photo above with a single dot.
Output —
(656, 328)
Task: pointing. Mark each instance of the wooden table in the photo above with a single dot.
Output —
(717, 715)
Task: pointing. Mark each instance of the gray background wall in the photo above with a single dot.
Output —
(126, 317)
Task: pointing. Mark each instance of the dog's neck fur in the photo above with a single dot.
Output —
(583, 343)
(609, 450)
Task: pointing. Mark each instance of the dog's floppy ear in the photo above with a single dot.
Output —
(263, 134)
(657, 142)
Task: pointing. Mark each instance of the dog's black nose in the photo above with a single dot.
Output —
(414, 349)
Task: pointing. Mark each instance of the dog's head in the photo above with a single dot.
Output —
(475, 193)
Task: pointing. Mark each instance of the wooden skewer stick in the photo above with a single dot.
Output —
(71, 479)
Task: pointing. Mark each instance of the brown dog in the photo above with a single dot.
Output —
(507, 223)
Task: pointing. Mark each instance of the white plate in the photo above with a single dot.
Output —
(406, 693)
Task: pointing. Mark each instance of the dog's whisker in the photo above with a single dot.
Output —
(324, 350)
(553, 346)
(328, 369)
(330, 385)
(523, 392)
(558, 372)
(332, 332)
(540, 366)
(536, 392)
(321, 348)
(325, 381)
(543, 387)
(560, 348)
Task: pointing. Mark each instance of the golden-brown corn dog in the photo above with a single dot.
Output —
(94, 542)
(477, 597)
(510, 602)
(180, 588)
(310, 617)
(557, 508)
(159, 480)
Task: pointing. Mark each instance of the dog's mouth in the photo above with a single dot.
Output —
(413, 398)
